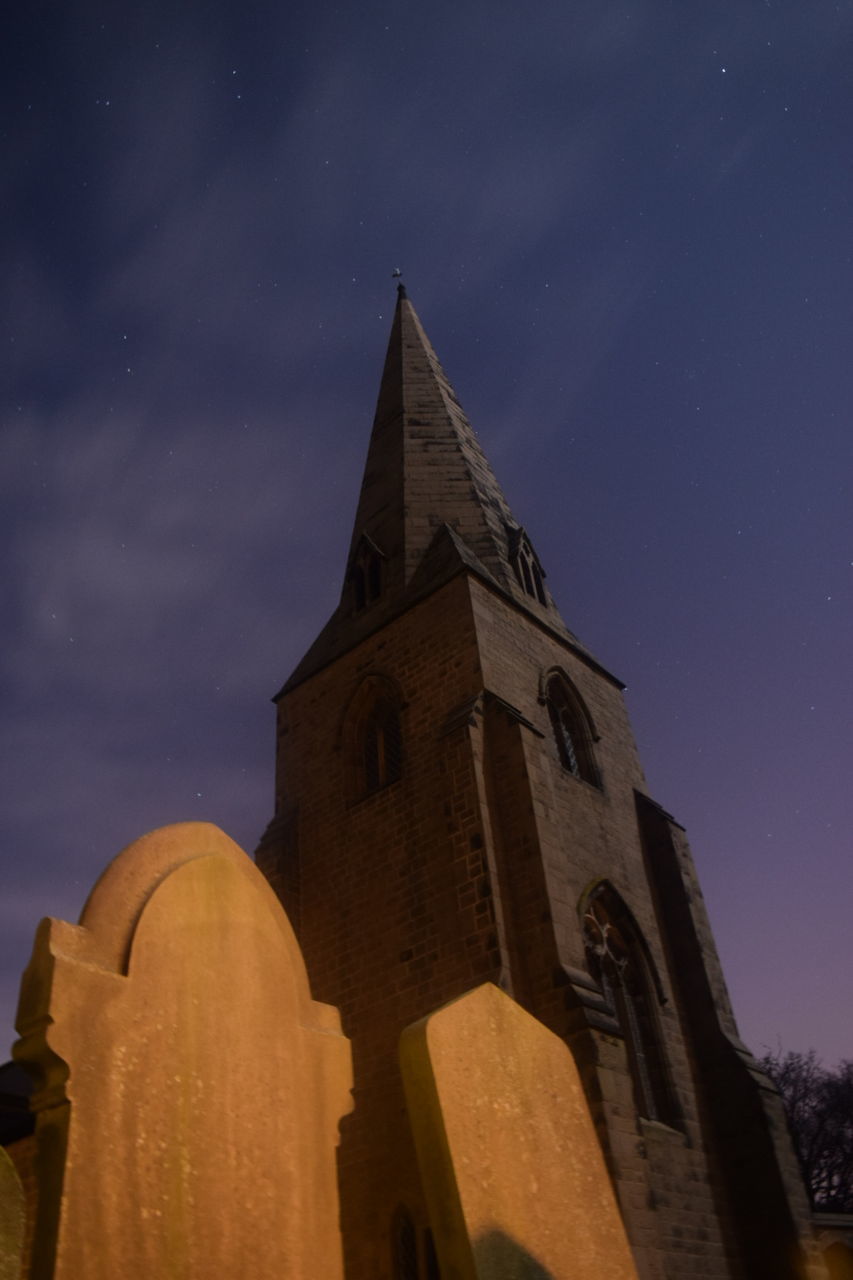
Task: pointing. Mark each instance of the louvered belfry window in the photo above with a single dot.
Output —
(526, 564)
(366, 575)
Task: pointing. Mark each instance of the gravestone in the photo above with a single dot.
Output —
(513, 1173)
(189, 1089)
(12, 1219)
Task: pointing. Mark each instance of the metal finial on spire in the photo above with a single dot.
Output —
(397, 275)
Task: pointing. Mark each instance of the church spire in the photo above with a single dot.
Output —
(429, 505)
(425, 470)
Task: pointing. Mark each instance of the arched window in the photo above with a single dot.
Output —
(371, 736)
(404, 1246)
(381, 746)
(572, 730)
(618, 961)
(525, 563)
(366, 574)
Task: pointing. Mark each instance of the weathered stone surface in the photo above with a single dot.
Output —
(12, 1219)
(514, 1177)
(190, 1088)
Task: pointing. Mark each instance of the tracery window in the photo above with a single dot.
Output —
(617, 960)
(572, 732)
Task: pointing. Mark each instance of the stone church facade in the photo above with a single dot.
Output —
(458, 800)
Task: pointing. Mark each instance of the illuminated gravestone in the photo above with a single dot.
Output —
(12, 1219)
(514, 1177)
(189, 1087)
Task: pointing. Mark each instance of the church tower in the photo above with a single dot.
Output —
(459, 800)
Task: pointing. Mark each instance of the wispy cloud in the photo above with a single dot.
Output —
(196, 276)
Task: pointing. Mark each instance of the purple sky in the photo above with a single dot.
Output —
(627, 230)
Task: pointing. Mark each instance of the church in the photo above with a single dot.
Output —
(459, 800)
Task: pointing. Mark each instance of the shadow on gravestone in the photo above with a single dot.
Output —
(189, 1090)
(512, 1170)
(12, 1219)
(498, 1256)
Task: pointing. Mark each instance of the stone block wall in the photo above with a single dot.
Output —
(474, 866)
(395, 911)
(568, 835)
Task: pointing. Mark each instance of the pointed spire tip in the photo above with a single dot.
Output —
(397, 275)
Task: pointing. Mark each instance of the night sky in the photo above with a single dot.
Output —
(627, 231)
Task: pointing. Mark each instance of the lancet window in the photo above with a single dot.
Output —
(382, 746)
(619, 962)
(526, 566)
(372, 736)
(366, 574)
(572, 730)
